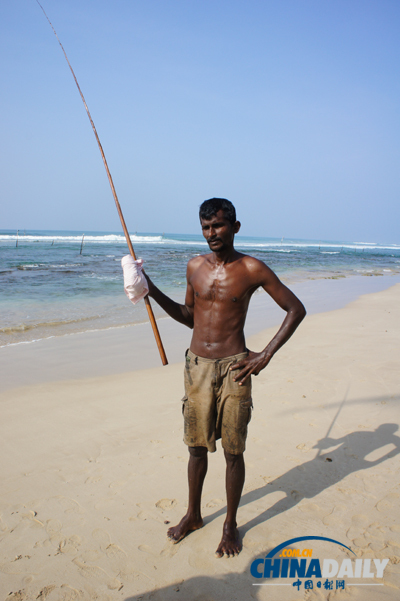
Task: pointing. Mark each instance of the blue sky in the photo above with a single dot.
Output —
(289, 108)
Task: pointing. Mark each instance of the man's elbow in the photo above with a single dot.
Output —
(189, 323)
(188, 316)
(300, 312)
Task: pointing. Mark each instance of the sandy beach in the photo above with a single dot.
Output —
(93, 469)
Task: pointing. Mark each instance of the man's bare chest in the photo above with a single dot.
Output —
(220, 285)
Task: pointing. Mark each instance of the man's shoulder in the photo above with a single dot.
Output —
(196, 262)
(256, 270)
(251, 263)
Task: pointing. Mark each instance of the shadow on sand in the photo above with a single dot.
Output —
(309, 479)
(229, 587)
(346, 455)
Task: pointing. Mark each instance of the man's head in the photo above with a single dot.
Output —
(210, 207)
(219, 224)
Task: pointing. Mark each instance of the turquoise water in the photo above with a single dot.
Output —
(48, 288)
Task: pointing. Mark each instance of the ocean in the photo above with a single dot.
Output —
(52, 285)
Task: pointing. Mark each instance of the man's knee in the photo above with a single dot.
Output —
(232, 459)
(198, 451)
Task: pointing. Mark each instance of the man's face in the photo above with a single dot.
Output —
(219, 232)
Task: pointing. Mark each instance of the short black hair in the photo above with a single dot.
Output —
(210, 207)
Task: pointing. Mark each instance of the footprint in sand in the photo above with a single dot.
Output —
(311, 509)
(17, 596)
(215, 503)
(117, 558)
(147, 549)
(30, 517)
(120, 563)
(11, 568)
(296, 495)
(267, 479)
(335, 518)
(105, 503)
(303, 447)
(376, 530)
(115, 554)
(117, 484)
(69, 546)
(91, 555)
(164, 504)
(102, 538)
(290, 458)
(393, 552)
(3, 526)
(359, 523)
(93, 479)
(364, 535)
(361, 542)
(53, 529)
(388, 502)
(98, 574)
(143, 515)
(68, 505)
(371, 484)
(377, 547)
(169, 550)
(45, 592)
(70, 594)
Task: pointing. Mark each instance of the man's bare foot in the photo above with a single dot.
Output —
(185, 526)
(230, 544)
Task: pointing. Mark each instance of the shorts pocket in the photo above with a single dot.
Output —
(187, 374)
(247, 405)
(184, 401)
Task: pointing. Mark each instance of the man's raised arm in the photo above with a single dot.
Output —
(181, 313)
(295, 313)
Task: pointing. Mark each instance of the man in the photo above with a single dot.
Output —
(218, 366)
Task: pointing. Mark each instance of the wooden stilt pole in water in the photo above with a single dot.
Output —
(128, 239)
(83, 237)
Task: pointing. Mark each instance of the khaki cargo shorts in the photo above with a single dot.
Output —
(214, 406)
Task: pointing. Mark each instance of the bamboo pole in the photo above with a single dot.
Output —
(128, 239)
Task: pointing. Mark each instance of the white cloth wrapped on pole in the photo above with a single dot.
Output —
(135, 283)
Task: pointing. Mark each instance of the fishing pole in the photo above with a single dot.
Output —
(127, 236)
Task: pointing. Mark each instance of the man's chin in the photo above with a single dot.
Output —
(216, 247)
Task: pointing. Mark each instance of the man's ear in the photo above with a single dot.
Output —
(236, 226)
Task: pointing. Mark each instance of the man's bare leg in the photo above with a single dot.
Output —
(197, 469)
(235, 471)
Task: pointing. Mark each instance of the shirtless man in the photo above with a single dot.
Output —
(218, 366)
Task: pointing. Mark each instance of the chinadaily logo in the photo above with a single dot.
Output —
(299, 569)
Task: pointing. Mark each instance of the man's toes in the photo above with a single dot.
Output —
(172, 535)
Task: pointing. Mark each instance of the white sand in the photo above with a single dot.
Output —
(93, 468)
